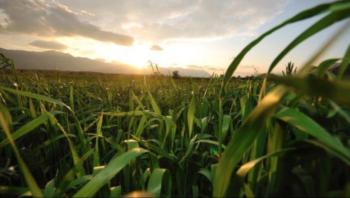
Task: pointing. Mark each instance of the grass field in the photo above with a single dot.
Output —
(81, 135)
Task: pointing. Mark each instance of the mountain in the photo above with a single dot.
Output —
(54, 60)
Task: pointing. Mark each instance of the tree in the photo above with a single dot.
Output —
(176, 74)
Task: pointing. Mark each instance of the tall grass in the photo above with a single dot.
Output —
(82, 135)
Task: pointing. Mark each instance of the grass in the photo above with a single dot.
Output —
(82, 135)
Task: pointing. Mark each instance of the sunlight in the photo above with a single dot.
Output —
(174, 54)
(137, 55)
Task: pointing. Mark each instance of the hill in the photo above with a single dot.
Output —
(54, 60)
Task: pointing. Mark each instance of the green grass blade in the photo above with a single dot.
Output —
(32, 184)
(98, 136)
(116, 191)
(299, 17)
(206, 173)
(243, 139)
(306, 124)
(190, 116)
(15, 191)
(35, 96)
(323, 23)
(344, 63)
(155, 182)
(154, 104)
(71, 96)
(246, 167)
(105, 175)
(340, 111)
(25, 129)
(314, 86)
(69, 176)
(322, 68)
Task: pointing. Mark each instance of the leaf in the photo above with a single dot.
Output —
(155, 182)
(50, 188)
(116, 191)
(248, 166)
(15, 191)
(71, 96)
(243, 139)
(190, 116)
(298, 17)
(225, 125)
(25, 129)
(323, 23)
(33, 186)
(36, 96)
(322, 68)
(206, 173)
(189, 149)
(68, 177)
(99, 134)
(344, 63)
(304, 123)
(105, 175)
(154, 104)
(314, 86)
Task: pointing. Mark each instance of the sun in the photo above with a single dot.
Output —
(137, 55)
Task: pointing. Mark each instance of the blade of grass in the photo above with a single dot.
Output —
(154, 104)
(314, 86)
(32, 184)
(323, 23)
(105, 175)
(243, 139)
(298, 17)
(15, 191)
(306, 124)
(190, 116)
(35, 96)
(344, 63)
(322, 68)
(98, 135)
(155, 182)
(248, 166)
(27, 128)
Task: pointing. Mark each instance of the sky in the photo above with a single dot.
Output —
(202, 34)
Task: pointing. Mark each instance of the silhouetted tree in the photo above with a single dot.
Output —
(176, 74)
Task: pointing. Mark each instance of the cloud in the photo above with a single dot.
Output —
(156, 48)
(51, 18)
(48, 45)
(243, 70)
(182, 19)
(209, 67)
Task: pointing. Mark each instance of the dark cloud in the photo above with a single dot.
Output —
(156, 48)
(50, 18)
(48, 45)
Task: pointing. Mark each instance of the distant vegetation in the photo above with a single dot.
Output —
(176, 74)
(69, 134)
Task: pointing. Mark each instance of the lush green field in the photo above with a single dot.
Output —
(69, 134)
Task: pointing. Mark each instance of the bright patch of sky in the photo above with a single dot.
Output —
(202, 34)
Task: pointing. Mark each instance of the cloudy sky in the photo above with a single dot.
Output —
(203, 34)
